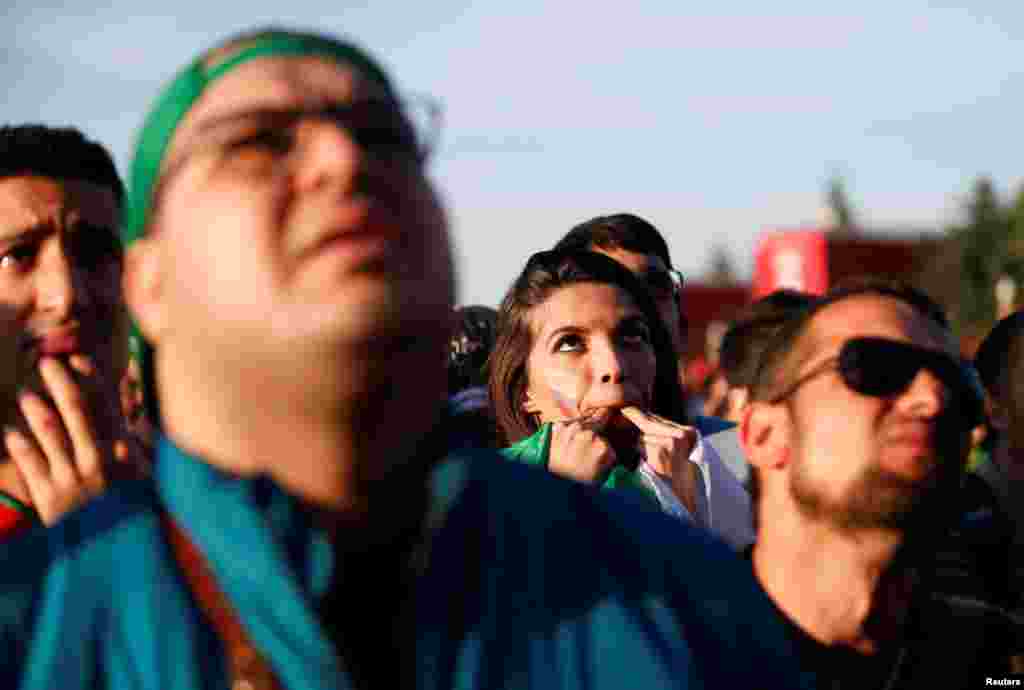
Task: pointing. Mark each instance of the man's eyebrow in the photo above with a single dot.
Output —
(233, 117)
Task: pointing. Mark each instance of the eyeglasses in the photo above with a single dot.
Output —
(663, 284)
(881, 368)
(382, 128)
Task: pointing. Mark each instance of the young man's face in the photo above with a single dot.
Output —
(282, 234)
(642, 266)
(60, 281)
(863, 461)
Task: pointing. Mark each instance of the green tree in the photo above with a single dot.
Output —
(989, 243)
(721, 272)
(840, 207)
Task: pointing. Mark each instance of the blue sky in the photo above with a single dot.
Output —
(714, 124)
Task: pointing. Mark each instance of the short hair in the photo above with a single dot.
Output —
(786, 345)
(545, 273)
(1000, 365)
(470, 345)
(994, 354)
(60, 153)
(752, 329)
(618, 231)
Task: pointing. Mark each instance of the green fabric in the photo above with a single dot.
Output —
(14, 504)
(535, 450)
(163, 119)
(185, 89)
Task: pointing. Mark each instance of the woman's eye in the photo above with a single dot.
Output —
(569, 343)
(17, 257)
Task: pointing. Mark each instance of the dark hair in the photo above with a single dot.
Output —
(618, 231)
(1000, 364)
(751, 331)
(993, 356)
(62, 153)
(784, 348)
(545, 273)
(470, 346)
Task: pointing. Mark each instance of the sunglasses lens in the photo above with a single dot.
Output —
(882, 368)
(877, 367)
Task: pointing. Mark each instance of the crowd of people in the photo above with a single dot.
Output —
(251, 443)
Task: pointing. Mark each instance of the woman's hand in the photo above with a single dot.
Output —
(67, 463)
(667, 447)
(578, 450)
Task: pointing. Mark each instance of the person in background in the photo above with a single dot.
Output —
(857, 430)
(640, 247)
(740, 351)
(584, 382)
(63, 328)
(307, 526)
(994, 489)
(469, 347)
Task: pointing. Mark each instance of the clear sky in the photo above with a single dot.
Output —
(713, 124)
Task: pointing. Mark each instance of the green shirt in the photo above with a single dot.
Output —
(536, 449)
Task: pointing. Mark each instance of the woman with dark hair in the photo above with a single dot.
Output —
(583, 381)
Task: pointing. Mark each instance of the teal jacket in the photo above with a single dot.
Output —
(531, 582)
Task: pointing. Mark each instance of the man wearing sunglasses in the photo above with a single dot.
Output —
(857, 434)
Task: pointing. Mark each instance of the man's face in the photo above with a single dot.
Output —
(284, 235)
(60, 281)
(859, 461)
(643, 266)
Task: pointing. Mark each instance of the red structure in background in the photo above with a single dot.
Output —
(810, 260)
(796, 260)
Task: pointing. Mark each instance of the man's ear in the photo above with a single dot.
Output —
(764, 433)
(142, 283)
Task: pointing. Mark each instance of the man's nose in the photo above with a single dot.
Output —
(326, 153)
(926, 396)
(60, 286)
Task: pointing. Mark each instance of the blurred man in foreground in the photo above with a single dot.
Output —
(291, 268)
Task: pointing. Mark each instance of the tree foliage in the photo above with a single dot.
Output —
(840, 207)
(722, 272)
(991, 245)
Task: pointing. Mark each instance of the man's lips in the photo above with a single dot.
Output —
(353, 228)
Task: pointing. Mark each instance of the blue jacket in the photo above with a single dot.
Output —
(532, 582)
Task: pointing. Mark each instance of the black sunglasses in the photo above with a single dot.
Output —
(881, 368)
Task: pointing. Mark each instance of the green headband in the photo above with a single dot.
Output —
(171, 107)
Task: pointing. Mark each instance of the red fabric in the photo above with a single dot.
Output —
(12, 521)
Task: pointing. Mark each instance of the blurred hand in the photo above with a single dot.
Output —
(66, 463)
(667, 447)
(578, 451)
